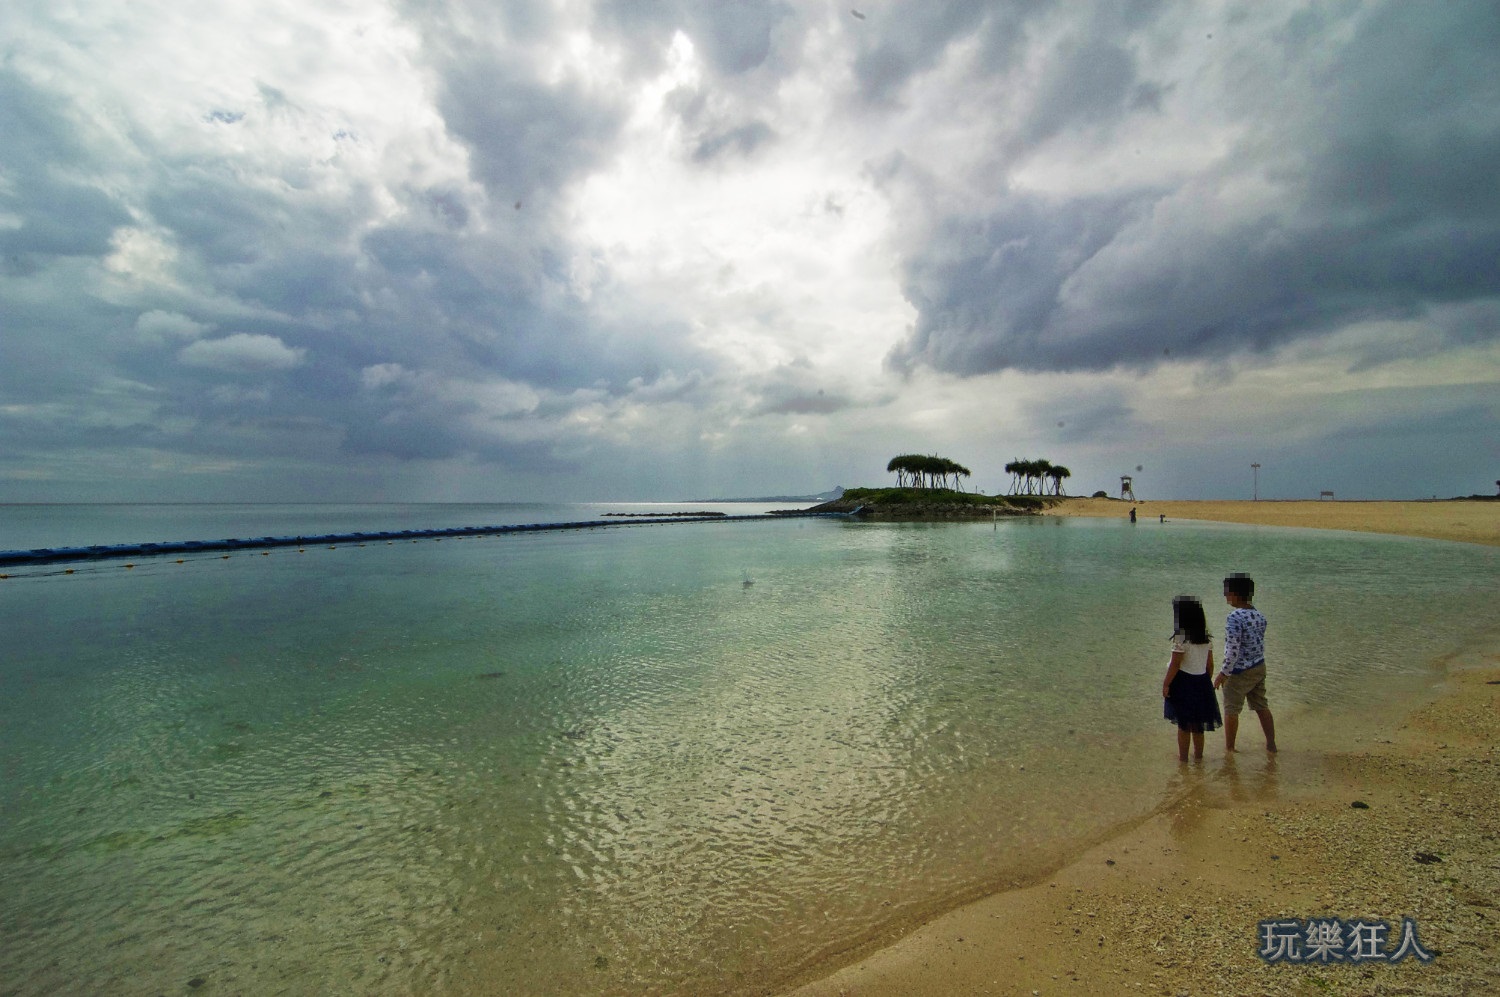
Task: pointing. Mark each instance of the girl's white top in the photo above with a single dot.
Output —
(1194, 656)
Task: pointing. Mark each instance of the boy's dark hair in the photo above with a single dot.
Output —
(1240, 584)
(1188, 619)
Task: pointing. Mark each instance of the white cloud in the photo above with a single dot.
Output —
(380, 375)
(774, 255)
(242, 353)
(157, 327)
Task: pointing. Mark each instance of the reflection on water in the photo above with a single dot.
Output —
(601, 762)
(1259, 780)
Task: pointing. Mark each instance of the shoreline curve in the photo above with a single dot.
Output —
(1170, 904)
(1462, 520)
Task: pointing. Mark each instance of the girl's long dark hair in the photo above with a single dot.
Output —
(1188, 619)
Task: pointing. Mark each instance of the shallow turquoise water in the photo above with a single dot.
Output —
(656, 759)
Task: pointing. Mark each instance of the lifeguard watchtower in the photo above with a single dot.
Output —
(1126, 492)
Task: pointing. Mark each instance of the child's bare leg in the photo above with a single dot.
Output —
(1231, 730)
(1268, 725)
(1182, 744)
(1198, 745)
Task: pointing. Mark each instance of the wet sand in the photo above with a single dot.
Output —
(1464, 520)
(1171, 905)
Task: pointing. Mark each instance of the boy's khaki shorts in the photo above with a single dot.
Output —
(1246, 686)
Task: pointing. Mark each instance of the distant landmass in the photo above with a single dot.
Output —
(837, 491)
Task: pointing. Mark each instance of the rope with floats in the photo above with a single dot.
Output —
(55, 555)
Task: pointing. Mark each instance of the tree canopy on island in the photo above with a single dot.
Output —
(1029, 477)
(926, 471)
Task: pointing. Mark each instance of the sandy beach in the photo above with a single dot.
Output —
(1384, 815)
(1464, 520)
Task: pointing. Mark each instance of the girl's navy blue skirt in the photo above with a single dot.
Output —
(1192, 704)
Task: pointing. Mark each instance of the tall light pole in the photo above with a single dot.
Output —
(1255, 492)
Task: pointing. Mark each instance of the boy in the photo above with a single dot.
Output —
(1243, 674)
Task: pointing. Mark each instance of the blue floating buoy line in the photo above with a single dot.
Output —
(54, 555)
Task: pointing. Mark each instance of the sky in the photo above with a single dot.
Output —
(635, 250)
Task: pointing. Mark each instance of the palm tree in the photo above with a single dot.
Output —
(1024, 470)
(1040, 470)
(929, 465)
(898, 467)
(957, 471)
(926, 471)
(910, 470)
(1029, 477)
(1014, 468)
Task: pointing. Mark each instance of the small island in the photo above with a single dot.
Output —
(929, 488)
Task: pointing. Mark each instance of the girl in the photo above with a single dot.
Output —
(1188, 691)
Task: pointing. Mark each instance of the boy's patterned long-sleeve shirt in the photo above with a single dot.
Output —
(1244, 641)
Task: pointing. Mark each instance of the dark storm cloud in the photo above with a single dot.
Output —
(454, 288)
(1381, 151)
(434, 438)
(986, 289)
(226, 223)
(1469, 322)
(797, 388)
(529, 136)
(60, 213)
(51, 343)
(409, 424)
(51, 433)
(1089, 81)
(1088, 420)
(277, 259)
(446, 205)
(1404, 443)
(451, 306)
(1410, 128)
(438, 307)
(526, 136)
(294, 280)
(901, 41)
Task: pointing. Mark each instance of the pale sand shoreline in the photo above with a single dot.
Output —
(1464, 520)
(1170, 905)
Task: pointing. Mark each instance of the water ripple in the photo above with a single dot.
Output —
(601, 763)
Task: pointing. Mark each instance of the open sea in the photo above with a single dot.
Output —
(666, 759)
